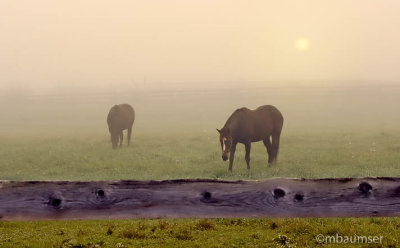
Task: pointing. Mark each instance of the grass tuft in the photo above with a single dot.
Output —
(133, 233)
(204, 224)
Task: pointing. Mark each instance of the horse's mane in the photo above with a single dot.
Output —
(234, 114)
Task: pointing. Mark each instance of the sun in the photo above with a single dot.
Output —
(302, 44)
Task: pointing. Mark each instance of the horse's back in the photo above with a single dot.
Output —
(122, 115)
(270, 111)
(270, 116)
(128, 111)
(255, 124)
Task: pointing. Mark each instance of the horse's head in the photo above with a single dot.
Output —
(225, 139)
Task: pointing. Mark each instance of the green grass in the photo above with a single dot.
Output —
(196, 233)
(197, 155)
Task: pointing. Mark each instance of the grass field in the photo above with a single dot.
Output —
(333, 132)
(197, 233)
(328, 132)
(198, 156)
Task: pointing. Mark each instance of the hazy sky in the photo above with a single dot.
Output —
(96, 43)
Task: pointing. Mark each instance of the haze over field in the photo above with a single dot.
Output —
(185, 66)
(305, 109)
(98, 45)
(330, 67)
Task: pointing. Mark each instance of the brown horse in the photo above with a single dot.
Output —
(119, 118)
(246, 126)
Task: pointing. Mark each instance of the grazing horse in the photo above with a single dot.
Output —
(119, 118)
(246, 126)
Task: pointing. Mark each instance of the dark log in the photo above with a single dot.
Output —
(348, 197)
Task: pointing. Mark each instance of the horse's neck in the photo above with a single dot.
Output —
(232, 124)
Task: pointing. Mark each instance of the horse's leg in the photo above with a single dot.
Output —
(268, 145)
(232, 155)
(247, 157)
(275, 147)
(129, 135)
(121, 138)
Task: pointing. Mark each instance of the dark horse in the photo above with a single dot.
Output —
(119, 118)
(246, 126)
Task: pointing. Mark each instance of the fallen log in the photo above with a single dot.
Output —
(279, 197)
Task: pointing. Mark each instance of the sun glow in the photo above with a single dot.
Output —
(302, 44)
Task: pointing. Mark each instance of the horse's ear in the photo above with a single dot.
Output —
(219, 131)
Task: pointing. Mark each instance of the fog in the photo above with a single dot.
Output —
(51, 46)
(307, 110)
(185, 66)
